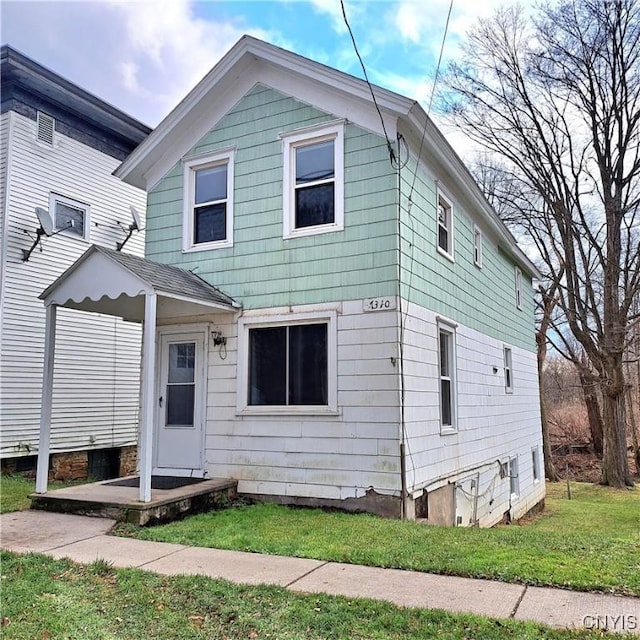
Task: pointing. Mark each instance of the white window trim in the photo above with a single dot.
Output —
(302, 137)
(477, 246)
(279, 320)
(514, 478)
(507, 354)
(518, 276)
(76, 204)
(190, 165)
(535, 464)
(441, 196)
(453, 427)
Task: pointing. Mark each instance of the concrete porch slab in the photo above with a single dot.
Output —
(412, 589)
(121, 503)
(235, 566)
(25, 531)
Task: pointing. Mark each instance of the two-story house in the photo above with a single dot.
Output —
(59, 146)
(333, 314)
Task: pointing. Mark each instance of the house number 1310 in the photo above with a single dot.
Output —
(378, 304)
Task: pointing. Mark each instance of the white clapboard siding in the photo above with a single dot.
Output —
(335, 457)
(492, 425)
(96, 380)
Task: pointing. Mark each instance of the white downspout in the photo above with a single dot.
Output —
(148, 396)
(42, 472)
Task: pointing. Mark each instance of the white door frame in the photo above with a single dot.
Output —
(186, 332)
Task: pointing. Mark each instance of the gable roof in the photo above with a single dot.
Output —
(107, 281)
(251, 61)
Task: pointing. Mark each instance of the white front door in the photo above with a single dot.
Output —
(181, 412)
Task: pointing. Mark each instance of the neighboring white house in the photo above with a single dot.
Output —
(58, 148)
(369, 343)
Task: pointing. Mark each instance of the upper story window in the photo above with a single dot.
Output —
(518, 288)
(208, 201)
(445, 227)
(45, 128)
(70, 215)
(447, 366)
(313, 188)
(477, 246)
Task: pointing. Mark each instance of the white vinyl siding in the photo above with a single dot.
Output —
(491, 425)
(333, 456)
(96, 379)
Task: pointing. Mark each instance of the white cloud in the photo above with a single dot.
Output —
(333, 9)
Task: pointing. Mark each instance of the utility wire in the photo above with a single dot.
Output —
(433, 92)
(392, 154)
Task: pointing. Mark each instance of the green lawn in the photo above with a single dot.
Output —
(589, 543)
(47, 598)
(14, 491)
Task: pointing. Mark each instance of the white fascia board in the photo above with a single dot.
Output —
(248, 63)
(231, 308)
(444, 153)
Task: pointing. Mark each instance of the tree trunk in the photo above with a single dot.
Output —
(615, 464)
(588, 384)
(549, 470)
(634, 428)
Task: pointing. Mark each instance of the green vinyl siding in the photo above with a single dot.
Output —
(480, 298)
(262, 269)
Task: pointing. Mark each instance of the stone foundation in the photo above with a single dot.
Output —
(69, 465)
(128, 461)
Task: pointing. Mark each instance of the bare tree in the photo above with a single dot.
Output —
(557, 97)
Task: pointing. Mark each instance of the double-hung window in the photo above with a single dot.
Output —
(208, 201)
(69, 215)
(518, 288)
(508, 370)
(445, 226)
(313, 189)
(290, 363)
(477, 246)
(447, 370)
(535, 463)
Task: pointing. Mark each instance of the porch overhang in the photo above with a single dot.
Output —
(118, 284)
(113, 283)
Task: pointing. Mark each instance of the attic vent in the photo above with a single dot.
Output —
(46, 127)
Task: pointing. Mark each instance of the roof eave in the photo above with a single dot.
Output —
(444, 152)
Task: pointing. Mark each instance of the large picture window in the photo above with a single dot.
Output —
(313, 180)
(208, 201)
(288, 365)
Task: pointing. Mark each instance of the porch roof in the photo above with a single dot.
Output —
(114, 283)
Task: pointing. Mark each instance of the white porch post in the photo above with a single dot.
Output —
(42, 472)
(148, 395)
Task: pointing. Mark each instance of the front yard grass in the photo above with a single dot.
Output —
(590, 543)
(15, 490)
(47, 598)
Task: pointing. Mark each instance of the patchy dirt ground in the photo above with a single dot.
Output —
(571, 445)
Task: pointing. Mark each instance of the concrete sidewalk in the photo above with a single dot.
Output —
(85, 539)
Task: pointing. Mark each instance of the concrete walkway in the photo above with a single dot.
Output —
(84, 539)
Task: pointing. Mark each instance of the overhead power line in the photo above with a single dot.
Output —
(392, 154)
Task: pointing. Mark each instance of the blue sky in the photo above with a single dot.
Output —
(143, 57)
